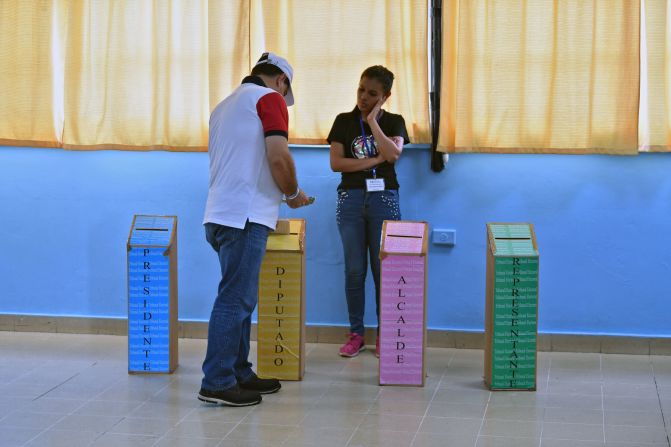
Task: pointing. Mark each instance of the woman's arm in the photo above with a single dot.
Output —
(389, 147)
(340, 163)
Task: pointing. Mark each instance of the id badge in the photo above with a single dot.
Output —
(374, 184)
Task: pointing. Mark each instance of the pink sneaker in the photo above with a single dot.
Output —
(377, 347)
(353, 347)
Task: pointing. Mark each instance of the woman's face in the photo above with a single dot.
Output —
(368, 94)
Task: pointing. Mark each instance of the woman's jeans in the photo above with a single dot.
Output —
(240, 255)
(359, 215)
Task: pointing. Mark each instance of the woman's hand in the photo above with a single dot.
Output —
(372, 116)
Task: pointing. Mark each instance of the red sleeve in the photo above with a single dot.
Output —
(274, 115)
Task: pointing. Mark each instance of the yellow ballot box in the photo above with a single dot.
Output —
(281, 316)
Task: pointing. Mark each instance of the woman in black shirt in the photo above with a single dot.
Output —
(365, 144)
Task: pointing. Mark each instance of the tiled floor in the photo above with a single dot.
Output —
(73, 390)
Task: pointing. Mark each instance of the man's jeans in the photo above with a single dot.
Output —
(359, 215)
(240, 255)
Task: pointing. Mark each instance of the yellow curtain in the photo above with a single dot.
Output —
(228, 54)
(136, 75)
(118, 75)
(329, 44)
(655, 120)
(145, 75)
(31, 73)
(540, 76)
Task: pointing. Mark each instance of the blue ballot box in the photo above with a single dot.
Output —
(152, 294)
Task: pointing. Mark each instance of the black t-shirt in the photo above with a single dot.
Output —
(347, 131)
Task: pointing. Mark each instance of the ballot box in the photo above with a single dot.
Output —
(152, 294)
(281, 314)
(511, 308)
(403, 277)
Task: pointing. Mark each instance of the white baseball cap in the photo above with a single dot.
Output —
(282, 64)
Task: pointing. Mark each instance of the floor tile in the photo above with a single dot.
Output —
(333, 418)
(271, 435)
(124, 440)
(571, 387)
(86, 397)
(278, 414)
(503, 441)
(519, 399)
(618, 389)
(634, 418)
(57, 406)
(367, 437)
(64, 438)
(10, 404)
(390, 422)
(452, 439)
(507, 428)
(579, 401)
(637, 444)
(456, 410)
(17, 436)
(623, 433)
(188, 442)
(218, 413)
(307, 436)
(200, 429)
(26, 419)
(448, 426)
(631, 403)
(98, 424)
(570, 443)
(475, 396)
(142, 426)
(515, 413)
(580, 432)
(107, 408)
(574, 415)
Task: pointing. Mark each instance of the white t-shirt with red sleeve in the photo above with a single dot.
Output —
(241, 185)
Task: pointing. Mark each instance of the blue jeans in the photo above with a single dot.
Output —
(240, 255)
(359, 215)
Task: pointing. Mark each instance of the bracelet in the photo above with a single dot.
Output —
(294, 195)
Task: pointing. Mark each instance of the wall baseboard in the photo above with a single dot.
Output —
(606, 344)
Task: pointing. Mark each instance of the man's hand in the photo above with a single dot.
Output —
(300, 200)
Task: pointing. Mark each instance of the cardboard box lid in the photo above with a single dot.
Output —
(291, 241)
(512, 239)
(152, 231)
(402, 237)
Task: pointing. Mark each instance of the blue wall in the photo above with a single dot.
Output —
(603, 225)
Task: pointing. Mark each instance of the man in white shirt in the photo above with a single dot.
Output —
(251, 169)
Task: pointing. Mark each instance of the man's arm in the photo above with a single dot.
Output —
(283, 169)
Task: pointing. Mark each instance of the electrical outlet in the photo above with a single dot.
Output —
(444, 237)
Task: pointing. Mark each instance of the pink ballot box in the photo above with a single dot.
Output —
(403, 268)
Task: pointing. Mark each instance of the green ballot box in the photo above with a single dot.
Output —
(511, 312)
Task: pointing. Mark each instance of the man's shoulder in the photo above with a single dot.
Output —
(246, 96)
(250, 90)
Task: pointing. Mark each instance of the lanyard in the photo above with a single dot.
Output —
(369, 150)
